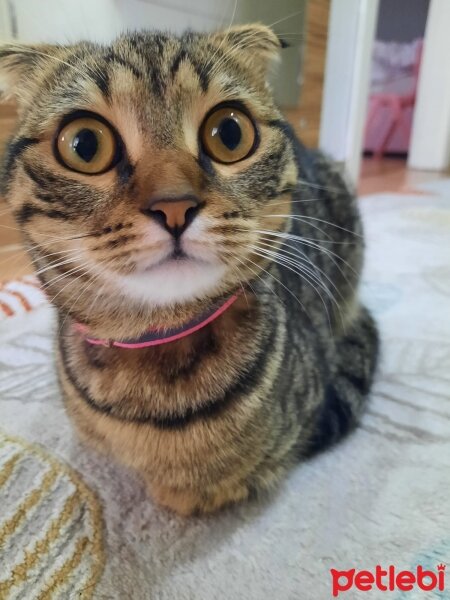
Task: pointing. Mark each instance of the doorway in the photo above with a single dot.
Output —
(394, 74)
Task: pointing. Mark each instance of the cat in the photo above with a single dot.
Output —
(204, 264)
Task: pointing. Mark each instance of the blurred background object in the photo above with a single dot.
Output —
(396, 59)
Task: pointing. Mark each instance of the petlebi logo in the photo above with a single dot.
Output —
(389, 579)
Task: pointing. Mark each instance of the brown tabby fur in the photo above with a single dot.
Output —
(222, 414)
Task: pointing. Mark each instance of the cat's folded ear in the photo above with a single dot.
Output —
(256, 46)
(20, 66)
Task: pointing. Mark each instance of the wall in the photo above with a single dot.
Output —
(67, 21)
(5, 24)
(430, 140)
(287, 17)
(402, 20)
(306, 117)
(350, 41)
(101, 20)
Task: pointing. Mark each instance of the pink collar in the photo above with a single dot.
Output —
(156, 337)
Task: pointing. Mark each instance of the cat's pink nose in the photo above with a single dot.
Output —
(174, 214)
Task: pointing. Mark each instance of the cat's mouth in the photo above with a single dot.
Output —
(176, 256)
(177, 276)
(173, 272)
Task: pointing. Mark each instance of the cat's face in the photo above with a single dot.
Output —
(144, 172)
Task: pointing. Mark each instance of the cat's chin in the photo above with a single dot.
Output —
(172, 281)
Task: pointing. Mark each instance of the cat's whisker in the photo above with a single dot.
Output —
(20, 254)
(56, 263)
(237, 271)
(84, 289)
(280, 258)
(62, 276)
(290, 292)
(333, 258)
(57, 238)
(52, 237)
(256, 274)
(233, 14)
(23, 49)
(309, 224)
(12, 256)
(73, 302)
(323, 241)
(84, 235)
(60, 254)
(317, 186)
(292, 33)
(305, 273)
(7, 211)
(319, 273)
(303, 218)
(16, 256)
(291, 16)
(96, 296)
(289, 201)
(299, 254)
(82, 270)
(329, 253)
(307, 242)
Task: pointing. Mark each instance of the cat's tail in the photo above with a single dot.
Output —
(346, 394)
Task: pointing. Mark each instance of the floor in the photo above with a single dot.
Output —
(385, 175)
(13, 260)
(392, 175)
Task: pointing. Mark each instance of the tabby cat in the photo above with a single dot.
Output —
(203, 263)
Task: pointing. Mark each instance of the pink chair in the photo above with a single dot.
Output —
(389, 118)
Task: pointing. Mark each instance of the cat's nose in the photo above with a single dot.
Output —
(174, 214)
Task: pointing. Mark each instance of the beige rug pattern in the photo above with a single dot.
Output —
(51, 535)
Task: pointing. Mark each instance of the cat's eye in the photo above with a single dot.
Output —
(87, 145)
(228, 135)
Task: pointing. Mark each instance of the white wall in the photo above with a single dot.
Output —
(101, 20)
(66, 21)
(430, 140)
(5, 24)
(350, 40)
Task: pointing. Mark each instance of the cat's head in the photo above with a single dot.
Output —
(144, 172)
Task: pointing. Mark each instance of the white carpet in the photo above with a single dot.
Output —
(440, 187)
(381, 497)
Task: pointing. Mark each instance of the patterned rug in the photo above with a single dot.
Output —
(75, 525)
(50, 526)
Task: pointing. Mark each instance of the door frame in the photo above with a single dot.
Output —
(430, 139)
(351, 35)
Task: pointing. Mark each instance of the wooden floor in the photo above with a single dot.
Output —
(13, 260)
(392, 175)
(385, 175)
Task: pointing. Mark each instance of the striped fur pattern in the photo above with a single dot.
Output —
(223, 414)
